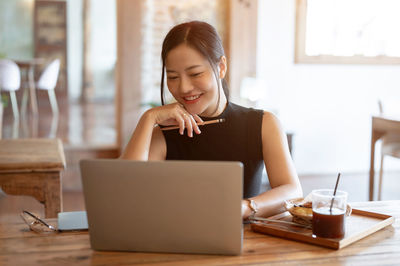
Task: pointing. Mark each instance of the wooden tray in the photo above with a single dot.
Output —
(359, 225)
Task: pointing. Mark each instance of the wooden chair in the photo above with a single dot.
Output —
(47, 81)
(10, 80)
(390, 146)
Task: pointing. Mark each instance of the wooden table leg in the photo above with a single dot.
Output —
(53, 196)
(45, 187)
(375, 135)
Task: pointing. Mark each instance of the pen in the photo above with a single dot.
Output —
(199, 124)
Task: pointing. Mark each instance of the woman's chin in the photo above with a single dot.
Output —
(194, 110)
(198, 109)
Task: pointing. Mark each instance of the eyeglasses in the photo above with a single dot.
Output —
(36, 224)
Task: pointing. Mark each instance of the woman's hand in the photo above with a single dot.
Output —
(246, 212)
(175, 114)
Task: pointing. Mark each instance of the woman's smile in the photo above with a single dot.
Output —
(192, 99)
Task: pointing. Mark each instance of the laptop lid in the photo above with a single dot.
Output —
(164, 206)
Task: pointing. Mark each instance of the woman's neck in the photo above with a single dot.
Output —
(223, 102)
(221, 105)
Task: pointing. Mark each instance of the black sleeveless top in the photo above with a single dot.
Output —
(238, 138)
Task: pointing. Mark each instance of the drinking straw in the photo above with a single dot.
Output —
(334, 193)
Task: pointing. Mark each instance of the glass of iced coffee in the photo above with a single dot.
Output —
(329, 213)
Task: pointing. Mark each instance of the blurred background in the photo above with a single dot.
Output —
(325, 68)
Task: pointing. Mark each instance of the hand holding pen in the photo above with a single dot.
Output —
(199, 124)
(176, 115)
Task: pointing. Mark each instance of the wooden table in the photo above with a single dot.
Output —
(380, 127)
(29, 65)
(19, 246)
(33, 167)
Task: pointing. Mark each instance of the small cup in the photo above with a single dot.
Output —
(329, 218)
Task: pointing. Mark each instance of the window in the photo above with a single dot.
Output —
(348, 31)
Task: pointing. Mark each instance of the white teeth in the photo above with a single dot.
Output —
(191, 98)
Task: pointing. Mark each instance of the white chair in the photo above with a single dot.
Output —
(10, 80)
(390, 147)
(48, 81)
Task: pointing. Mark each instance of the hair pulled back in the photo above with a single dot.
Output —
(200, 36)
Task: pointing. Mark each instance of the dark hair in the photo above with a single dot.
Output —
(202, 37)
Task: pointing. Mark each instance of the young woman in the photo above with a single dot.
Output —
(194, 63)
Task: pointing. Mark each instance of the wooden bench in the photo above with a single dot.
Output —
(33, 167)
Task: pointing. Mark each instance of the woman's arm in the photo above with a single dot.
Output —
(282, 175)
(138, 147)
(147, 141)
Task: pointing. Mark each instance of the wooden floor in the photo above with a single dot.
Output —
(87, 124)
(357, 185)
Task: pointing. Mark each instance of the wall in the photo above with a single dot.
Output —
(243, 44)
(16, 31)
(159, 17)
(129, 80)
(103, 47)
(74, 47)
(16, 41)
(328, 107)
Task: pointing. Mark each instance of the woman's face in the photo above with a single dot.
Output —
(192, 82)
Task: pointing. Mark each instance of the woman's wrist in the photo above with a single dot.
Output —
(246, 211)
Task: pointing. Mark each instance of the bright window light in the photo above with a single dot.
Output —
(367, 28)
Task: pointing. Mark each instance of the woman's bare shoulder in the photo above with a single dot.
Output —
(270, 119)
(271, 126)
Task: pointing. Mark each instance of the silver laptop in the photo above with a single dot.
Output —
(164, 206)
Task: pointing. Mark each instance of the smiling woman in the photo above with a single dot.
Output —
(197, 50)
(194, 64)
(191, 81)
